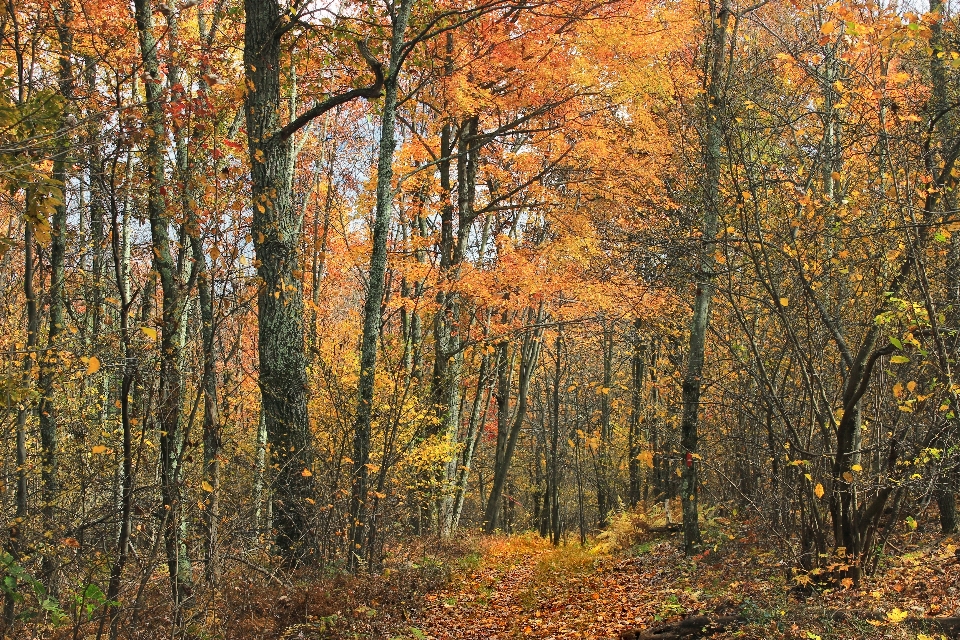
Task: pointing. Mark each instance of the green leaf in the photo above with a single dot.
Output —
(899, 359)
(895, 342)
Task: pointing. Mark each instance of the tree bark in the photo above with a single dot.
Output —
(276, 238)
(529, 353)
(375, 289)
(944, 491)
(169, 406)
(605, 494)
(635, 440)
(700, 322)
(50, 362)
(477, 419)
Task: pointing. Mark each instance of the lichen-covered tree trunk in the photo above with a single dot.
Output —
(375, 289)
(945, 488)
(169, 406)
(50, 363)
(700, 322)
(280, 308)
(276, 239)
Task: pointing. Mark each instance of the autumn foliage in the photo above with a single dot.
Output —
(296, 294)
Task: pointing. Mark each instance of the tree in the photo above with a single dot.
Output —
(276, 235)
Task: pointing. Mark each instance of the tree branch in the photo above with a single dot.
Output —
(370, 92)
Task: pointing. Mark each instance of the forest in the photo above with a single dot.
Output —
(364, 318)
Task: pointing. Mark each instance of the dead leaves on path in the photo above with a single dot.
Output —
(523, 588)
(533, 590)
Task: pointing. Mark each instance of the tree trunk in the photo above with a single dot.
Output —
(50, 363)
(636, 443)
(15, 530)
(375, 290)
(478, 417)
(529, 353)
(944, 491)
(280, 308)
(126, 491)
(171, 378)
(276, 238)
(553, 473)
(700, 322)
(605, 494)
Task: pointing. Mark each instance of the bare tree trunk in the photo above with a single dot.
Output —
(211, 413)
(553, 473)
(126, 493)
(260, 499)
(477, 418)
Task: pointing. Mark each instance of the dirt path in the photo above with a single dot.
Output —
(529, 589)
(524, 588)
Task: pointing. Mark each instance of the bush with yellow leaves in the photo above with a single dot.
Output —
(626, 529)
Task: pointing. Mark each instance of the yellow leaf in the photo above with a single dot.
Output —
(306, 473)
(856, 467)
(206, 486)
(150, 332)
(646, 458)
(828, 27)
(897, 616)
(818, 490)
(93, 365)
(99, 449)
(899, 359)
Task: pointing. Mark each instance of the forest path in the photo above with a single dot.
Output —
(522, 587)
(525, 588)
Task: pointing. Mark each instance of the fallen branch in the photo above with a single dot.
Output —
(689, 628)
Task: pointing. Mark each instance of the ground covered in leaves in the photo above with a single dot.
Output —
(629, 578)
(521, 587)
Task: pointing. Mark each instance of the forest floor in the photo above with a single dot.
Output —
(628, 578)
(522, 587)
